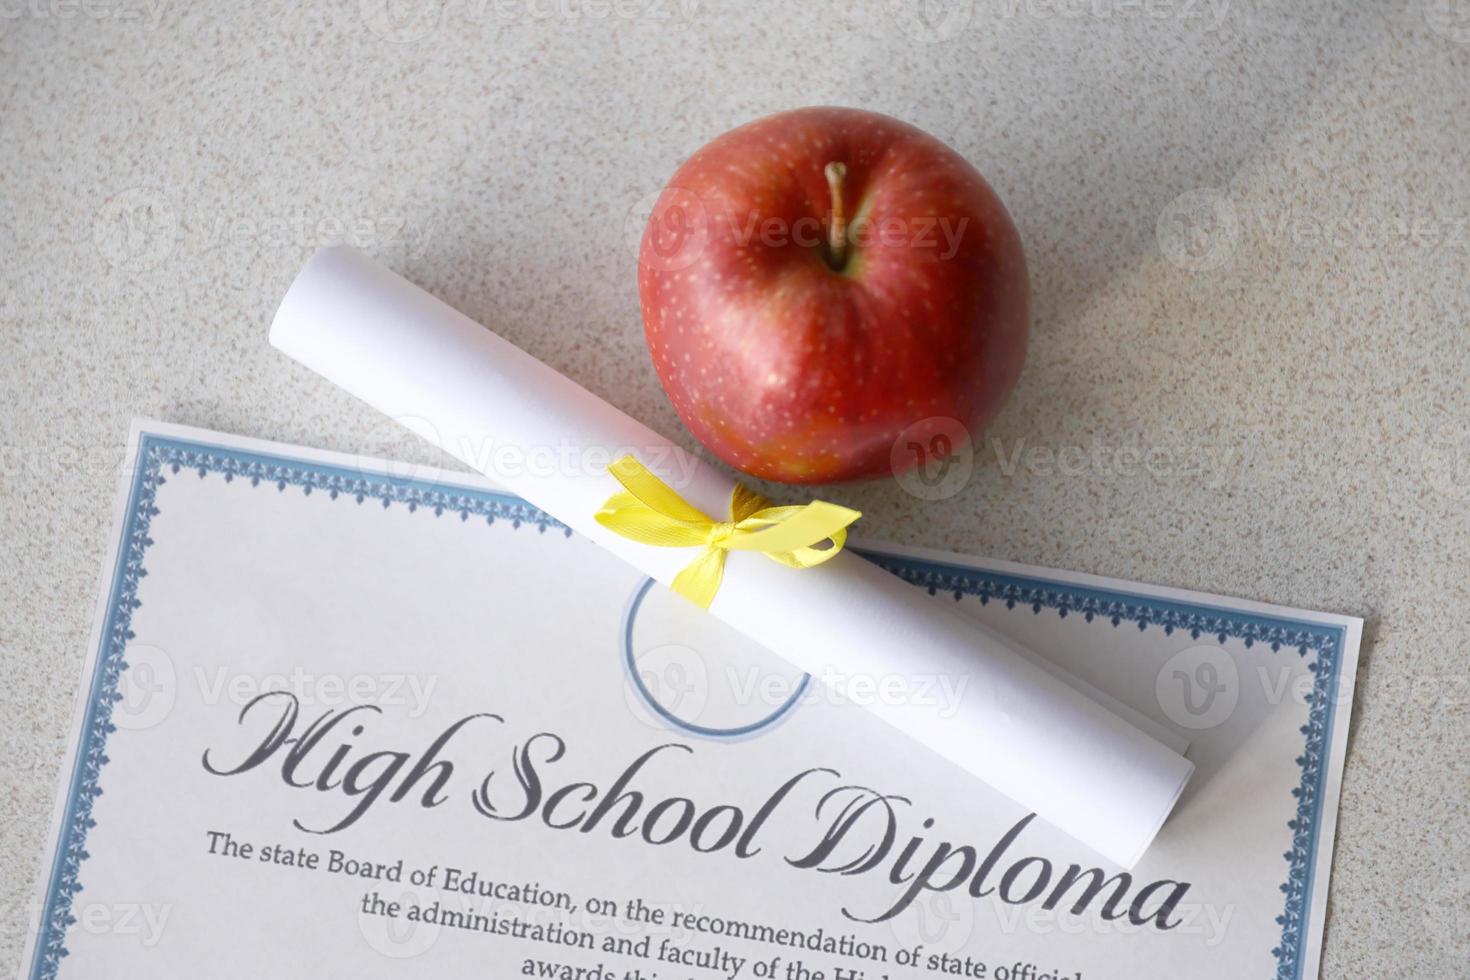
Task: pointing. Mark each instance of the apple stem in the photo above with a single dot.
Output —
(837, 231)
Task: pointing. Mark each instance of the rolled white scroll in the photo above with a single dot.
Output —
(1020, 728)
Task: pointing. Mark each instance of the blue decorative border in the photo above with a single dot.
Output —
(160, 458)
(1323, 642)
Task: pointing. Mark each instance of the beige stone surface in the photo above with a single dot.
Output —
(1248, 228)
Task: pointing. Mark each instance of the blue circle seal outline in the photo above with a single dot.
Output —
(673, 720)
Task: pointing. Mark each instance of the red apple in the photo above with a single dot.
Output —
(817, 282)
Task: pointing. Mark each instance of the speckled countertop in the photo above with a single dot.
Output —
(1248, 228)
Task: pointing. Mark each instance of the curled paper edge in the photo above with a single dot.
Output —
(1022, 729)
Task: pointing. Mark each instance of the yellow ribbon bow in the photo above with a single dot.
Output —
(651, 512)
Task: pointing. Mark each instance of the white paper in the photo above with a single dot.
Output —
(1019, 728)
(415, 598)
